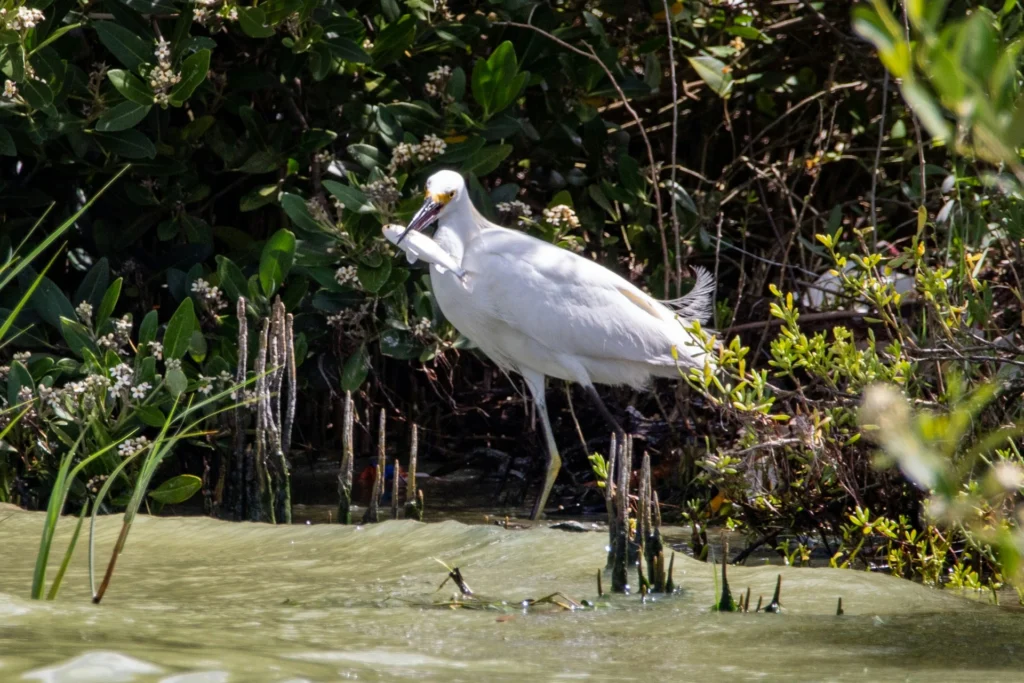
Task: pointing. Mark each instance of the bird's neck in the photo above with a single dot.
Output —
(460, 225)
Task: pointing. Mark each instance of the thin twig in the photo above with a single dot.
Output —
(592, 55)
(674, 151)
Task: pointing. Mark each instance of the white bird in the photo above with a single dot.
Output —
(543, 311)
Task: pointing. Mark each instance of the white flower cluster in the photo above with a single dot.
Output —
(24, 18)
(561, 214)
(25, 396)
(4, 371)
(122, 376)
(22, 356)
(205, 385)
(129, 446)
(162, 77)
(421, 329)
(318, 211)
(212, 295)
(84, 312)
(431, 147)
(346, 274)
(437, 83)
(428, 150)
(515, 209)
(10, 89)
(114, 341)
(141, 390)
(204, 11)
(48, 396)
(157, 349)
(383, 193)
(172, 364)
(84, 393)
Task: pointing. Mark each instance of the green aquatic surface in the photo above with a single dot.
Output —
(195, 600)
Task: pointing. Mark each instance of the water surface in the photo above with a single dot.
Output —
(196, 600)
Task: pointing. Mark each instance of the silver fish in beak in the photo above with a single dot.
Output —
(420, 247)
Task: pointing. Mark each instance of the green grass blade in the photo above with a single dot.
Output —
(61, 229)
(53, 509)
(55, 586)
(5, 328)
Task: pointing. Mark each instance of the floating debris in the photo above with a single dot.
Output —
(839, 608)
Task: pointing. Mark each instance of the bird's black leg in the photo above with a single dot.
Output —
(595, 398)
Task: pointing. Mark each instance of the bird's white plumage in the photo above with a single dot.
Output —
(544, 311)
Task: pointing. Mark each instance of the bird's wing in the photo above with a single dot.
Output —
(568, 303)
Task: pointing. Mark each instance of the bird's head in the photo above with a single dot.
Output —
(443, 189)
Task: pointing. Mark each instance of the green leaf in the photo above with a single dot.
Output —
(253, 22)
(122, 117)
(147, 330)
(76, 336)
(51, 304)
(232, 281)
(109, 302)
(36, 93)
(487, 159)
(276, 260)
(295, 207)
(346, 49)
(193, 73)
(179, 330)
(7, 146)
(393, 41)
(177, 489)
(150, 415)
(18, 377)
(373, 278)
(352, 199)
(130, 49)
(177, 382)
(357, 367)
(130, 144)
(131, 86)
(714, 73)
(926, 108)
(197, 347)
(496, 81)
(94, 284)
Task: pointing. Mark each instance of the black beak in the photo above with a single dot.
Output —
(423, 218)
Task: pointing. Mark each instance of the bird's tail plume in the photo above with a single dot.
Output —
(697, 304)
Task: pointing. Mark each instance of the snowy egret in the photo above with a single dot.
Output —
(543, 311)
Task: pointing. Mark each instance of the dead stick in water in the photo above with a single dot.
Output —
(394, 492)
(345, 472)
(372, 515)
(413, 503)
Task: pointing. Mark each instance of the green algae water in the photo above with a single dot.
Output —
(196, 600)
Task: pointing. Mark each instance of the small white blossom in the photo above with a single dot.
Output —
(561, 214)
(84, 312)
(402, 154)
(22, 356)
(173, 364)
(205, 385)
(163, 51)
(213, 297)
(25, 18)
(10, 89)
(383, 193)
(139, 391)
(421, 329)
(129, 446)
(157, 349)
(318, 211)
(345, 275)
(431, 147)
